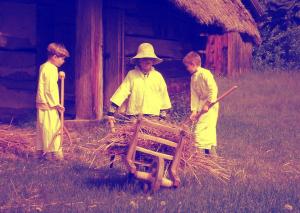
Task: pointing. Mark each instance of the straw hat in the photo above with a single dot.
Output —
(146, 50)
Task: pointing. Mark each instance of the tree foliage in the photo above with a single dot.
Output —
(280, 31)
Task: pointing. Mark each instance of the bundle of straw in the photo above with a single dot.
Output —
(193, 161)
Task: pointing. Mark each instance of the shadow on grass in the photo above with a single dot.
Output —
(110, 178)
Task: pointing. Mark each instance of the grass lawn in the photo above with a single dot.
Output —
(258, 130)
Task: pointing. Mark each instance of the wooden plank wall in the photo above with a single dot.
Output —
(228, 54)
(217, 54)
(239, 55)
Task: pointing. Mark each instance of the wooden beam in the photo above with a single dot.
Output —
(157, 139)
(88, 63)
(147, 123)
(157, 154)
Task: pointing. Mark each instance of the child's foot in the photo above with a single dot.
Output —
(48, 156)
(213, 151)
(206, 151)
(58, 156)
(38, 155)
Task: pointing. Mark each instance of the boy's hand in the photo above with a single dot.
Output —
(194, 116)
(205, 108)
(60, 108)
(111, 119)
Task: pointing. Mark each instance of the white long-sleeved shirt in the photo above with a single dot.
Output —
(203, 88)
(47, 92)
(147, 94)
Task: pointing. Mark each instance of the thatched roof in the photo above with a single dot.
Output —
(231, 15)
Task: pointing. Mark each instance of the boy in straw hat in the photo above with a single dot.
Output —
(144, 87)
(47, 103)
(204, 91)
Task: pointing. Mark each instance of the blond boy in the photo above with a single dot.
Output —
(143, 87)
(48, 105)
(204, 91)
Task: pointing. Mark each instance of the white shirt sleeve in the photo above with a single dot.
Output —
(212, 88)
(165, 99)
(51, 87)
(194, 99)
(122, 92)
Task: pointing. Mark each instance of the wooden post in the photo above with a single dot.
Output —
(89, 63)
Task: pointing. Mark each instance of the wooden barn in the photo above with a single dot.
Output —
(102, 35)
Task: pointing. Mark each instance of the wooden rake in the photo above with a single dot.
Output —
(187, 120)
(62, 128)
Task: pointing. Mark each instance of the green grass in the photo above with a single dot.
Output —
(258, 130)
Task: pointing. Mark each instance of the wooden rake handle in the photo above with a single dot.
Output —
(62, 76)
(218, 99)
(60, 131)
(187, 120)
(224, 95)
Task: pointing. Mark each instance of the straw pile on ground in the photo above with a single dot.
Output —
(18, 142)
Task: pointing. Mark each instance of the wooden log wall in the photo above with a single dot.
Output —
(157, 26)
(27, 27)
(171, 32)
(17, 59)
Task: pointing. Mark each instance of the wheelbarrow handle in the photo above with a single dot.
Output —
(111, 121)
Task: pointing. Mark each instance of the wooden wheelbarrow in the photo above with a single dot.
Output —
(165, 154)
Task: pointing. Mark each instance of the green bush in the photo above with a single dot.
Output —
(280, 31)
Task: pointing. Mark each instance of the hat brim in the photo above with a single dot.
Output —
(156, 60)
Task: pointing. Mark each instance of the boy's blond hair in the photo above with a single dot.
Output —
(57, 49)
(192, 57)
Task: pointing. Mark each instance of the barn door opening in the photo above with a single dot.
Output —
(113, 51)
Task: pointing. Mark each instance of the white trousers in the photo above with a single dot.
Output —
(205, 131)
(48, 125)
